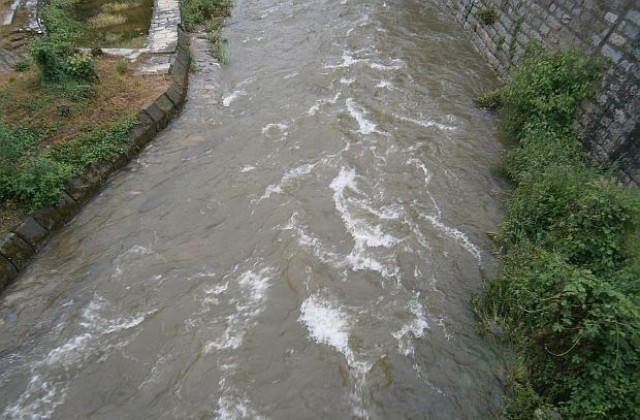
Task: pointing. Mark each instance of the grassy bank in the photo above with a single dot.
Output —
(61, 110)
(208, 16)
(568, 295)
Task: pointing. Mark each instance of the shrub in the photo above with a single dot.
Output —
(569, 290)
(547, 88)
(195, 12)
(58, 62)
(38, 183)
(79, 67)
(487, 15)
(14, 143)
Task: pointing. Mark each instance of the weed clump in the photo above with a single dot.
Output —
(569, 290)
(211, 15)
(487, 15)
(58, 61)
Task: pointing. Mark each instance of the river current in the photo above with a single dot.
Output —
(301, 243)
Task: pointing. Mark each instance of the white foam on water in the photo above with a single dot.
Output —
(415, 329)
(436, 220)
(384, 84)
(345, 81)
(271, 189)
(290, 75)
(202, 275)
(426, 123)
(232, 407)
(329, 325)
(44, 394)
(359, 113)
(310, 242)
(315, 108)
(364, 234)
(326, 324)
(457, 235)
(286, 179)
(347, 61)
(94, 321)
(270, 128)
(131, 254)
(247, 168)
(230, 97)
(217, 289)
(420, 165)
(253, 286)
(396, 64)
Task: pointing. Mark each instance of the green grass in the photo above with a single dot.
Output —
(210, 15)
(568, 294)
(35, 177)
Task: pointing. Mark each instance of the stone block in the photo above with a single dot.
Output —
(141, 134)
(176, 95)
(630, 30)
(98, 171)
(49, 218)
(15, 250)
(617, 40)
(121, 160)
(67, 207)
(611, 18)
(183, 55)
(611, 52)
(167, 107)
(81, 189)
(32, 233)
(157, 115)
(634, 16)
(7, 273)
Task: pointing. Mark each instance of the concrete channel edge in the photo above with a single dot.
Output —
(20, 244)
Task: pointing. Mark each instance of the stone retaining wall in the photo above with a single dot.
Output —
(19, 245)
(610, 124)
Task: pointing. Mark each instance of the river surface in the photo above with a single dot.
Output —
(301, 243)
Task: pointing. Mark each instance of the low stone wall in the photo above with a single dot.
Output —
(610, 124)
(19, 245)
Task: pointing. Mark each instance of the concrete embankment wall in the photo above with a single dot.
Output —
(609, 125)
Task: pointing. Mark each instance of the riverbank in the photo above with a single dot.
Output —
(69, 119)
(568, 295)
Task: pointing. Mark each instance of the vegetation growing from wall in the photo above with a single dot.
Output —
(487, 15)
(210, 15)
(569, 291)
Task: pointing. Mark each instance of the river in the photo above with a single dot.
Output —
(301, 243)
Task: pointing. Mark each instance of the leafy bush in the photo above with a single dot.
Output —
(79, 67)
(569, 290)
(40, 181)
(195, 12)
(14, 144)
(58, 61)
(547, 88)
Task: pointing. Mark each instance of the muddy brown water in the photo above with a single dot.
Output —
(302, 242)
